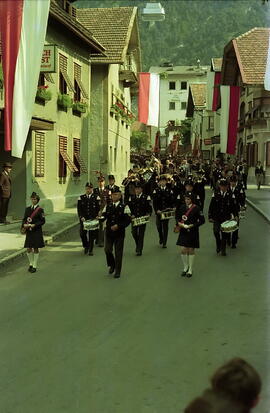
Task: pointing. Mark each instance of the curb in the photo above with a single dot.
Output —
(47, 240)
(259, 210)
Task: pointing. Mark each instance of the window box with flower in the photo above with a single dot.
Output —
(64, 101)
(79, 107)
(43, 94)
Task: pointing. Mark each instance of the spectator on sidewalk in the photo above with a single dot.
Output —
(32, 224)
(245, 173)
(259, 174)
(5, 192)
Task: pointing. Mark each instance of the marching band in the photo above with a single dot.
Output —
(172, 190)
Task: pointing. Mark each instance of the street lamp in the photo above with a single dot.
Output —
(153, 12)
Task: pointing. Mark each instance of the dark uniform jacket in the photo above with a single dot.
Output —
(162, 199)
(116, 215)
(5, 185)
(34, 237)
(140, 206)
(238, 197)
(103, 196)
(221, 206)
(88, 206)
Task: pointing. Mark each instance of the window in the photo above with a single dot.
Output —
(41, 79)
(39, 154)
(64, 80)
(171, 105)
(172, 85)
(78, 85)
(77, 159)
(183, 85)
(64, 159)
(211, 122)
(267, 146)
(183, 105)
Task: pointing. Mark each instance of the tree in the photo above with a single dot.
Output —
(186, 131)
(139, 141)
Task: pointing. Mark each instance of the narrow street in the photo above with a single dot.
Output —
(74, 339)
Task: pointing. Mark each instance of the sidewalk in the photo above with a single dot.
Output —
(12, 241)
(259, 200)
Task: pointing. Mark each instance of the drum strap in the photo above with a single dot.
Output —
(188, 212)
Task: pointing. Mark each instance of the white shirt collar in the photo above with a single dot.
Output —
(116, 203)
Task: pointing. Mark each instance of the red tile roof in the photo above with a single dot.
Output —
(251, 50)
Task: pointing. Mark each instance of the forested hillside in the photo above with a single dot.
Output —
(192, 29)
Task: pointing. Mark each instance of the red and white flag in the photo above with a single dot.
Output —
(230, 96)
(23, 25)
(149, 98)
(267, 71)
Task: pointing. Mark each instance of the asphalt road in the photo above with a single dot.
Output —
(74, 340)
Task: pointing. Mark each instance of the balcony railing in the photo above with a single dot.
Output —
(128, 72)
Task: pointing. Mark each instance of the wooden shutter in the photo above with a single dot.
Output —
(78, 78)
(63, 70)
(77, 155)
(64, 154)
(268, 153)
(39, 154)
(48, 77)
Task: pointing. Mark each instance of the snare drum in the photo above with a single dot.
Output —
(167, 214)
(91, 225)
(229, 226)
(140, 221)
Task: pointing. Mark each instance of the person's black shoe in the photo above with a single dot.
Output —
(90, 253)
(164, 246)
(160, 242)
(223, 253)
(111, 270)
(86, 251)
(189, 275)
(116, 276)
(233, 246)
(101, 245)
(33, 270)
(139, 254)
(184, 273)
(30, 268)
(218, 250)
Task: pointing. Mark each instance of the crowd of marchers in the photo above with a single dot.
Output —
(171, 189)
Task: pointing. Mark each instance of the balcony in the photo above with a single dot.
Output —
(128, 73)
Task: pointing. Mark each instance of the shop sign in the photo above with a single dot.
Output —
(48, 60)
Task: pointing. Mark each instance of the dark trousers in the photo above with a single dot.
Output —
(88, 238)
(100, 235)
(244, 177)
(162, 227)
(221, 237)
(3, 209)
(138, 235)
(234, 237)
(116, 241)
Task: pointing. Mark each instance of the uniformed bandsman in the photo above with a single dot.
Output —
(163, 199)
(88, 207)
(199, 186)
(104, 198)
(32, 227)
(239, 200)
(140, 206)
(189, 217)
(111, 186)
(221, 209)
(117, 216)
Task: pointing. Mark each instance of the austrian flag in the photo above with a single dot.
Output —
(23, 25)
(149, 98)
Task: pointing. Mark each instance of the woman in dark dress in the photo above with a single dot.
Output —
(188, 219)
(32, 223)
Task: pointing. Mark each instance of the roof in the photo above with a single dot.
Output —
(216, 64)
(251, 50)
(75, 26)
(198, 92)
(180, 70)
(112, 27)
